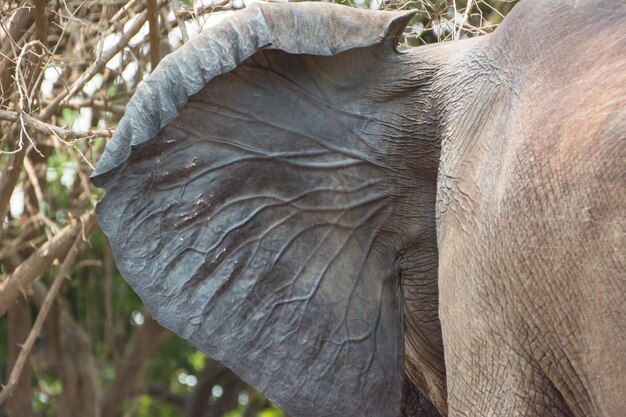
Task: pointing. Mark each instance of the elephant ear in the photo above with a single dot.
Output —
(247, 203)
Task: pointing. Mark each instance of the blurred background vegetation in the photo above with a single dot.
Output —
(74, 338)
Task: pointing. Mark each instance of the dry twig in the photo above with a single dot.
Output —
(96, 67)
(60, 133)
(38, 262)
(62, 273)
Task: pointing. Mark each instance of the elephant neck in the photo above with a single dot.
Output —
(443, 92)
(476, 98)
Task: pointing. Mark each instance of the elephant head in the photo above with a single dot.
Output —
(276, 191)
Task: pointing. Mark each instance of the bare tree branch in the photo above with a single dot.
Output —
(73, 362)
(78, 103)
(10, 175)
(163, 393)
(153, 23)
(216, 6)
(180, 22)
(96, 67)
(19, 24)
(38, 262)
(107, 287)
(41, 23)
(48, 129)
(62, 273)
(197, 403)
(70, 352)
(19, 323)
(147, 338)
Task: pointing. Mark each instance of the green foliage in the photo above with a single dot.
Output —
(148, 406)
(271, 412)
(69, 116)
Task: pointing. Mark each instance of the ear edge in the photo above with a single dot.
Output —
(144, 119)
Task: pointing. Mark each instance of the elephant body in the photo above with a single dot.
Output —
(357, 231)
(530, 208)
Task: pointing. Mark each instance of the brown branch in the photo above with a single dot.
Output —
(15, 250)
(24, 102)
(69, 351)
(180, 22)
(10, 175)
(212, 373)
(217, 6)
(41, 22)
(62, 273)
(107, 287)
(147, 338)
(255, 405)
(19, 323)
(48, 129)
(96, 67)
(231, 386)
(39, 213)
(164, 394)
(71, 354)
(128, 9)
(23, 241)
(153, 23)
(98, 104)
(30, 270)
(20, 23)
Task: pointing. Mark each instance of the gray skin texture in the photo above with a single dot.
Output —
(328, 216)
(530, 216)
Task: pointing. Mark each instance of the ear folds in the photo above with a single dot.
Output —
(251, 225)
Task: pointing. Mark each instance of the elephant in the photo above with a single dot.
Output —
(358, 230)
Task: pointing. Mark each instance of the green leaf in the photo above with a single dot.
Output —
(69, 116)
(197, 360)
(272, 412)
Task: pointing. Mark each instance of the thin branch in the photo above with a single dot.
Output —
(212, 373)
(459, 28)
(70, 352)
(18, 329)
(12, 247)
(217, 6)
(22, 90)
(164, 394)
(30, 270)
(69, 348)
(147, 338)
(125, 9)
(10, 176)
(153, 24)
(52, 228)
(22, 19)
(97, 104)
(180, 22)
(62, 273)
(48, 129)
(41, 22)
(107, 287)
(95, 68)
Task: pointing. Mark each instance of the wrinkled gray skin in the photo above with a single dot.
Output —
(330, 215)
